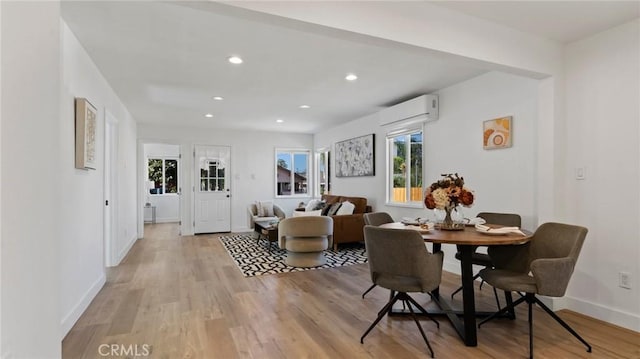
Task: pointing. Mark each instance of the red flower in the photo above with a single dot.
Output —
(429, 201)
(466, 198)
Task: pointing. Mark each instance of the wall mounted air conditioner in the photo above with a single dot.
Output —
(420, 109)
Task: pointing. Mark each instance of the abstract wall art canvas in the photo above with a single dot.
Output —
(355, 157)
(497, 133)
(86, 123)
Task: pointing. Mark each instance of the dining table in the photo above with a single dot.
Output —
(467, 239)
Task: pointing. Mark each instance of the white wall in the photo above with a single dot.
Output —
(603, 112)
(168, 204)
(252, 166)
(32, 197)
(81, 214)
(503, 180)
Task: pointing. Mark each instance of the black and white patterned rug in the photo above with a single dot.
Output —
(254, 259)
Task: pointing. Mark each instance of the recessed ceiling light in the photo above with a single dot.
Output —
(218, 98)
(279, 120)
(305, 106)
(208, 115)
(351, 77)
(235, 60)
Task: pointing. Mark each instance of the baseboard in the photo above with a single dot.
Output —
(72, 317)
(126, 249)
(241, 229)
(162, 220)
(610, 315)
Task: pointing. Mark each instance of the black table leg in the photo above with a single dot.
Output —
(468, 298)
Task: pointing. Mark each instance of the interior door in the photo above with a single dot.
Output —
(110, 188)
(212, 195)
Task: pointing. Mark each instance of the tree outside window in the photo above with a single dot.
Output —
(405, 153)
(162, 175)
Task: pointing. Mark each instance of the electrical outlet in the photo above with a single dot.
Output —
(624, 280)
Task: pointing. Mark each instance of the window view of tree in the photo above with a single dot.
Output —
(405, 152)
(324, 175)
(171, 176)
(164, 175)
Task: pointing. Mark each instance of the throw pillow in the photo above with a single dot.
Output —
(325, 209)
(265, 209)
(346, 208)
(320, 205)
(306, 213)
(311, 205)
(333, 209)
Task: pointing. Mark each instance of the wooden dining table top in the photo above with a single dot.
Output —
(468, 236)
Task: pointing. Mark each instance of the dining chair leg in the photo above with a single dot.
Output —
(368, 290)
(412, 301)
(562, 322)
(502, 311)
(530, 302)
(509, 299)
(381, 314)
(460, 288)
(413, 315)
(495, 294)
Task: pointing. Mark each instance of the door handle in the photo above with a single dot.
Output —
(228, 196)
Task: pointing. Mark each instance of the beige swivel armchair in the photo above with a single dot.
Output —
(305, 239)
(399, 261)
(253, 217)
(542, 266)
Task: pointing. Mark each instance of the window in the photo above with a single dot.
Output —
(212, 177)
(292, 172)
(404, 153)
(323, 171)
(162, 175)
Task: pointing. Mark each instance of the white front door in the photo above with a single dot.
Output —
(212, 212)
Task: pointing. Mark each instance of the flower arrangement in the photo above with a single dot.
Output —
(448, 193)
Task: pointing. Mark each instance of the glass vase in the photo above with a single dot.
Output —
(453, 219)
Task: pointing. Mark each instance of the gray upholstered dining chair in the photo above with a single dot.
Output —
(375, 219)
(482, 259)
(399, 261)
(542, 266)
(305, 239)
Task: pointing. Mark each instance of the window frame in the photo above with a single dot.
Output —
(292, 152)
(327, 153)
(408, 132)
(164, 179)
(209, 177)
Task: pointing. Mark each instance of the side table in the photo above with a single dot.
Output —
(268, 232)
(153, 213)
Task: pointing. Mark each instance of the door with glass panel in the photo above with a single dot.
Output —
(212, 190)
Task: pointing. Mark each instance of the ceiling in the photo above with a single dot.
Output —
(563, 21)
(167, 60)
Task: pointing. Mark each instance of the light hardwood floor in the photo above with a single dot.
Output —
(185, 298)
